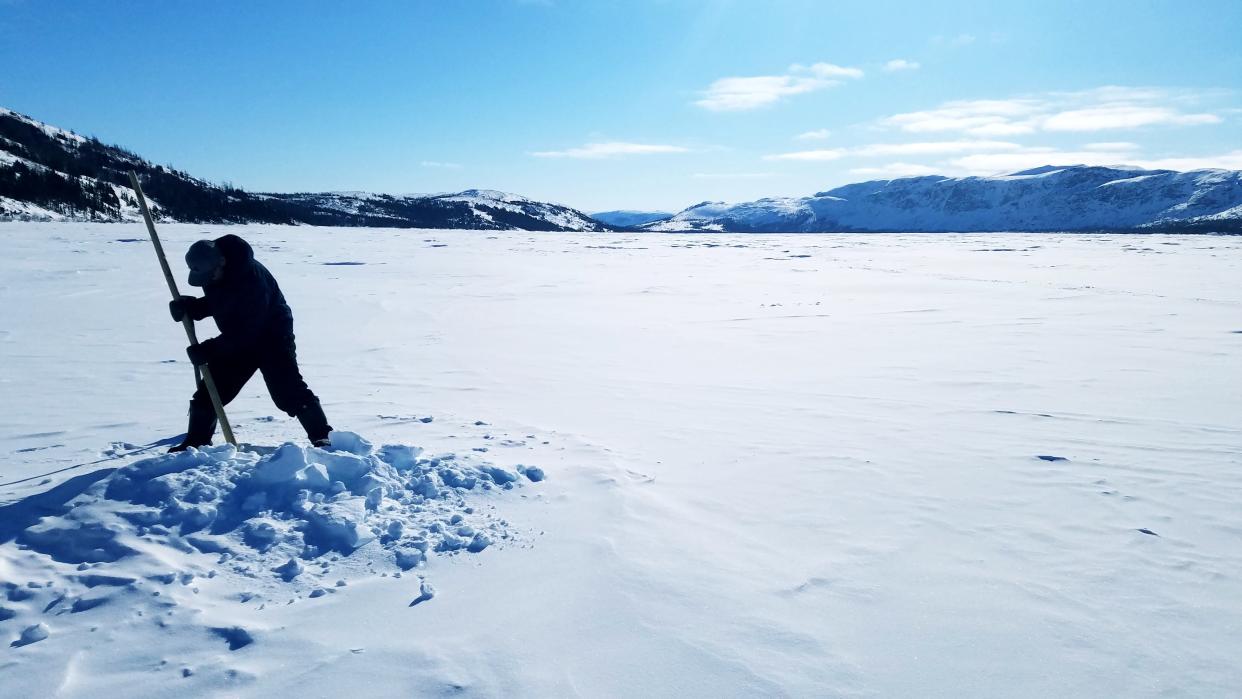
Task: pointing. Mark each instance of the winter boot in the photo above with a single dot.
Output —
(315, 423)
(202, 426)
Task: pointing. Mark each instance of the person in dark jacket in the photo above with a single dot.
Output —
(256, 334)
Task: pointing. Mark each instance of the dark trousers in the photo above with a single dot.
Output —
(277, 360)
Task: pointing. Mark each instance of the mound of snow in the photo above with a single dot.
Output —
(294, 503)
(293, 517)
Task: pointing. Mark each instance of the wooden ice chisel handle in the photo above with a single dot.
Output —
(187, 321)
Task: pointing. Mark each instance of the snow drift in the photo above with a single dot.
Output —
(305, 519)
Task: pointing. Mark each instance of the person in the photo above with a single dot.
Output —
(256, 334)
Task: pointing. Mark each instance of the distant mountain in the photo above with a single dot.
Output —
(482, 209)
(50, 174)
(1051, 198)
(628, 219)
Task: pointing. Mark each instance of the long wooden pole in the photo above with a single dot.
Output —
(187, 321)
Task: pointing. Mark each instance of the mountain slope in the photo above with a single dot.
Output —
(1071, 198)
(50, 174)
(626, 218)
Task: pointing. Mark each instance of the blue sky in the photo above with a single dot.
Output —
(641, 104)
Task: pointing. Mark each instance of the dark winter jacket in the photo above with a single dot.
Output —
(246, 303)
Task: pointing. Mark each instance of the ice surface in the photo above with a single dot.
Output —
(776, 466)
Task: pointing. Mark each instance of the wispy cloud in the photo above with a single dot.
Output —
(1023, 158)
(611, 149)
(438, 164)
(731, 175)
(816, 135)
(931, 148)
(993, 163)
(1122, 154)
(827, 70)
(899, 64)
(1113, 146)
(898, 149)
(893, 170)
(810, 155)
(743, 93)
(740, 94)
(1224, 161)
(1122, 116)
(977, 117)
(1101, 109)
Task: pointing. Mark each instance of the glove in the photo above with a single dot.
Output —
(180, 307)
(202, 353)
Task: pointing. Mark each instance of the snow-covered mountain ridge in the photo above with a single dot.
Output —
(51, 174)
(627, 218)
(1050, 198)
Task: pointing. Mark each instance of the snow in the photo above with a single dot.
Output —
(1042, 199)
(824, 465)
(53, 131)
(626, 217)
(479, 201)
(22, 210)
(9, 159)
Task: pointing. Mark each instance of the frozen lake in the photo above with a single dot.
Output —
(807, 465)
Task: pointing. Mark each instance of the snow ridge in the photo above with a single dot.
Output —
(50, 174)
(1050, 198)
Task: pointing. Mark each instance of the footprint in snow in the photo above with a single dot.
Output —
(30, 449)
(425, 592)
(31, 634)
(236, 636)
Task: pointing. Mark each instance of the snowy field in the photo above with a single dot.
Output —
(817, 465)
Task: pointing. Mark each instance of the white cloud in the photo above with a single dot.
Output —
(893, 170)
(932, 147)
(1115, 146)
(1102, 154)
(438, 164)
(816, 135)
(1122, 116)
(731, 175)
(1225, 161)
(898, 64)
(889, 149)
(1100, 109)
(810, 155)
(610, 149)
(993, 163)
(827, 70)
(979, 117)
(740, 94)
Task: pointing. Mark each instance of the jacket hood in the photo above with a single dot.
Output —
(237, 252)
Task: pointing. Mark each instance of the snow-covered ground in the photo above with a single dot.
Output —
(817, 465)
